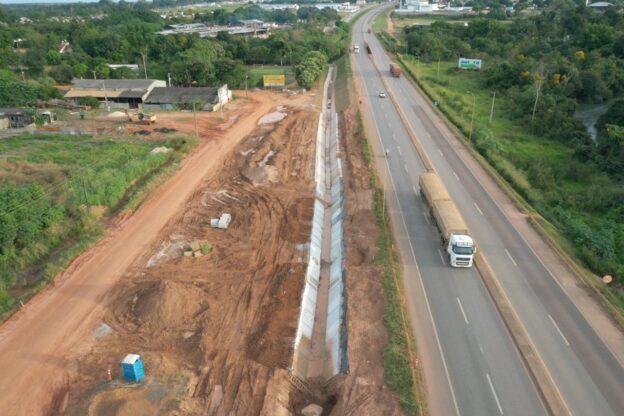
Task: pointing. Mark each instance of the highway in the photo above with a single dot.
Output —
(478, 354)
(486, 376)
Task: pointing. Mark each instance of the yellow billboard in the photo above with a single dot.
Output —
(274, 80)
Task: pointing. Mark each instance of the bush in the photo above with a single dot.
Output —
(89, 101)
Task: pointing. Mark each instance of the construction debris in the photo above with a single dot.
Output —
(223, 222)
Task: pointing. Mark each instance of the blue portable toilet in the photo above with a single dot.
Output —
(132, 367)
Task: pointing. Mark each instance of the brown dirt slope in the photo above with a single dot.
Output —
(363, 391)
(216, 331)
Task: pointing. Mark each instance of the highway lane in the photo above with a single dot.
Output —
(589, 377)
(485, 373)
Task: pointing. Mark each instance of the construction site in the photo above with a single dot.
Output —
(211, 297)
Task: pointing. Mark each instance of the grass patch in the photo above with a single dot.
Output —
(380, 24)
(57, 191)
(396, 356)
(256, 72)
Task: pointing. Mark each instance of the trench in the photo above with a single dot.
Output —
(320, 349)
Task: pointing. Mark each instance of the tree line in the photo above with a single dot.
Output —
(126, 33)
(544, 66)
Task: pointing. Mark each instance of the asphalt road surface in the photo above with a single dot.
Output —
(589, 377)
(482, 369)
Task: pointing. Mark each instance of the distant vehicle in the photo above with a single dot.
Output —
(356, 48)
(458, 243)
(369, 31)
(395, 70)
(368, 49)
(329, 103)
(382, 94)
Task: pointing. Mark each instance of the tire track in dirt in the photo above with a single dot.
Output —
(237, 307)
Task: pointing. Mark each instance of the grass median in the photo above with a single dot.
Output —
(398, 356)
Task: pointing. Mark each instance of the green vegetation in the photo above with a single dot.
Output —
(54, 191)
(310, 69)
(256, 72)
(109, 33)
(567, 55)
(396, 357)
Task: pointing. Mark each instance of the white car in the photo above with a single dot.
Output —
(382, 94)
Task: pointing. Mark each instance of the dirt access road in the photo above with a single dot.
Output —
(59, 322)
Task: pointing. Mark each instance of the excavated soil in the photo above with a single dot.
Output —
(215, 331)
(363, 390)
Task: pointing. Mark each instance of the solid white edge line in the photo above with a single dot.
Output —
(478, 209)
(559, 330)
(426, 218)
(405, 167)
(440, 151)
(511, 258)
(456, 177)
(441, 257)
(422, 286)
(461, 308)
(500, 409)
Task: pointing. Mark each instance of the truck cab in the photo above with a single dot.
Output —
(460, 249)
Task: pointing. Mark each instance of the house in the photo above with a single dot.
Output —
(117, 93)
(14, 118)
(65, 47)
(174, 97)
(133, 67)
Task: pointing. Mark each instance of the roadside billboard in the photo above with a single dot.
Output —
(274, 80)
(465, 63)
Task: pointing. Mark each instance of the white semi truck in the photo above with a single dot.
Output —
(458, 243)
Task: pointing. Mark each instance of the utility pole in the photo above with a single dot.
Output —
(246, 92)
(84, 190)
(492, 108)
(474, 105)
(438, 75)
(195, 117)
(169, 78)
(144, 67)
(105, 96)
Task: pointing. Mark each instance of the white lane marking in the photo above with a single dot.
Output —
(414, 189)
(399, 150)
(440, 151)
(420, 280)
(441, 257)
(405, 167)
(480, 348)
(456, 177)
(394, 137)
(461, 308)
(559, 330)
(427, 219)
(511, 258)
(500, 409)
(478, 209)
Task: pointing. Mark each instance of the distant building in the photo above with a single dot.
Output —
(600, 5)
(133, 67)
(253, 29)
(65, 47)
(14, 118)
(118, 93)
(171, 98)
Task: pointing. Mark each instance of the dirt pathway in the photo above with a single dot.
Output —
(59, 322)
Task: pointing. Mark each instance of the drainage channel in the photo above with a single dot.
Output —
(320, 351)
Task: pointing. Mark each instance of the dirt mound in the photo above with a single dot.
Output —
(169, 304)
